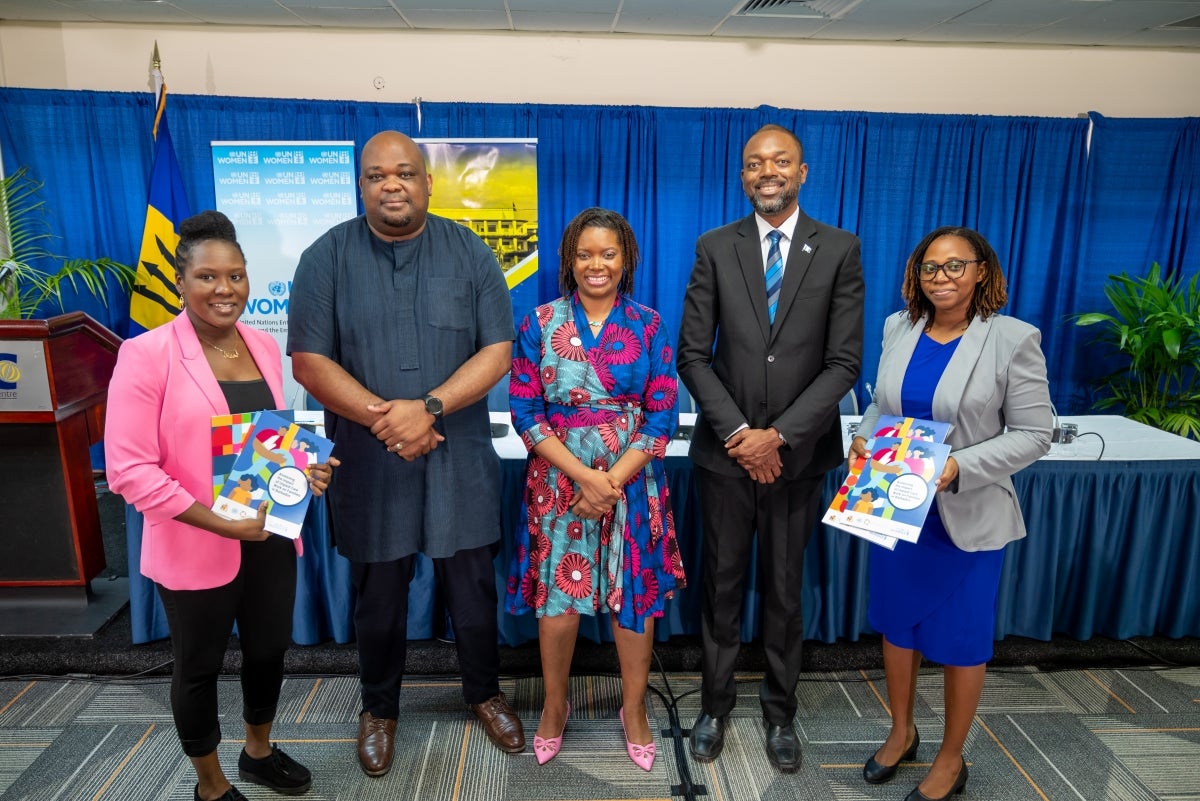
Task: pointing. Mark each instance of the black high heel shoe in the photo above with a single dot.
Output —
(874, 773)
(960, 784)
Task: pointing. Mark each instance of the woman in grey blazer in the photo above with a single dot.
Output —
(950, 357)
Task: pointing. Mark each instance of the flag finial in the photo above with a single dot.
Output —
(155, 61)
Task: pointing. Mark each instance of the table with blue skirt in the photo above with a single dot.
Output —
(1112, 548)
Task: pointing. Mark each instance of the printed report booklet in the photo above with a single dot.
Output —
(887, 496)
(260, 459)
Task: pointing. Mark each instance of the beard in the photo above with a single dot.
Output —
(400, 220)
(767, 207)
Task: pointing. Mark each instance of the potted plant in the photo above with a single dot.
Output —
(25, 280)
(1155, 329)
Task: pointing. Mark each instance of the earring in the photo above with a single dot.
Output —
(182, 302)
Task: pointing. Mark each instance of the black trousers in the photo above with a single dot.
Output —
(736, 511)
(468, 580)
(260, 600)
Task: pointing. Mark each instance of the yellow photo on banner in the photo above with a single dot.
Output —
(490, 186)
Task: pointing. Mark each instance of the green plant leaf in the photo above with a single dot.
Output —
(38, 275)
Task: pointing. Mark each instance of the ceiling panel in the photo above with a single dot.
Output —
(351, 18)
(910, 11)
(131, 11)
(564, 22)
(1124, 23)
(233, 12)
(447, 5)
(580, 6)
(681, 8)
(1026, 12)
(42, 12)
(775, 27)
(330, 4)
(666, 25)
(1135, 16)
(874, 32)
(470, 20)
(1160, 37)
(973, 34)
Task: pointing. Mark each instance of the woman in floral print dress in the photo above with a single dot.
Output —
(592, 392)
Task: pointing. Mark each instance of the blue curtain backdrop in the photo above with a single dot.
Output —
(1061, 218)
(1142, 205)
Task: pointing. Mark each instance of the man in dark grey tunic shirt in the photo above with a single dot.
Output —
(400, 322)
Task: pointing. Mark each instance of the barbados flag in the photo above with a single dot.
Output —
(155, 299)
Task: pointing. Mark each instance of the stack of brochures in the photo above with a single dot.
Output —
(261, 459)
(887, 496)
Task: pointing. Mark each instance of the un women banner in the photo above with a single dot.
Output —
(281, 196)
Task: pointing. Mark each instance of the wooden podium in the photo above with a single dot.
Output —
(54, 378)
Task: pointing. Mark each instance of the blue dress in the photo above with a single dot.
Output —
(931, 596)
(600, 394)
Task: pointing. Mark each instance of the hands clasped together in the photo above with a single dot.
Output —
(405, 428)
(757, 451)
(598, 492)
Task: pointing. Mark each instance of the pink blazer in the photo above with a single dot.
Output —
(158, 447)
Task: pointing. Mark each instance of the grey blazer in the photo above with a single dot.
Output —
(995, 396)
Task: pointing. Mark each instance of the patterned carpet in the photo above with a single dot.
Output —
(1092, 735)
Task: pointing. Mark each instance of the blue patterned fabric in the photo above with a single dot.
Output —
(600, 394)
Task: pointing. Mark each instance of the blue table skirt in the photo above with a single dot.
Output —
(1112, 550)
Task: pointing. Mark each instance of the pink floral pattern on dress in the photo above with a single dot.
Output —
(620, 345)
(574, 575)
(523, 380)
(566, 343)
(660, 394)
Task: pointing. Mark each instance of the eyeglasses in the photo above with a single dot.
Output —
(953, 268)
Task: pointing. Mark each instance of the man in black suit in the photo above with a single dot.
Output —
(771, 340)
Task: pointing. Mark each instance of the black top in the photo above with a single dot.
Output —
(247, 396)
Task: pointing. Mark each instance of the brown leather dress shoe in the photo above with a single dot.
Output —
(376, 743)
(502, 725)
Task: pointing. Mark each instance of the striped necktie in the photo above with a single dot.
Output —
(774, 273)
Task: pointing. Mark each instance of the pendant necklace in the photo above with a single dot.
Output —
(227, 354)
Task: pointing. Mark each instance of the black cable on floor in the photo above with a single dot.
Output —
(686, 787)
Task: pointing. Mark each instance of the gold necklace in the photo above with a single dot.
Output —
(224, 352)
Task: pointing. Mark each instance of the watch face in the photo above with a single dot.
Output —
(433, 406)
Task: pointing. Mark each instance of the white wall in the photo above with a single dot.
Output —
(618, 70)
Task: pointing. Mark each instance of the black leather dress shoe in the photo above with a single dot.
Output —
(783, 747)
(960, 784)
(875, 773)
(707, 737)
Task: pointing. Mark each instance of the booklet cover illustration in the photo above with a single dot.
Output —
(270, 453)
(909, 428)
(890, 493)
(229, 433)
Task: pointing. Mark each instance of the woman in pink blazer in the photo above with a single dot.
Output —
(210, 572)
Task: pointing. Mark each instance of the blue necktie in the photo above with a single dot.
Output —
(774, 273)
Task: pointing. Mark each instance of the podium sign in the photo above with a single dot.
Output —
(24, 382)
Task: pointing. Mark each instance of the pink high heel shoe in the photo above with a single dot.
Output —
(642, 755)
(546, 748)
